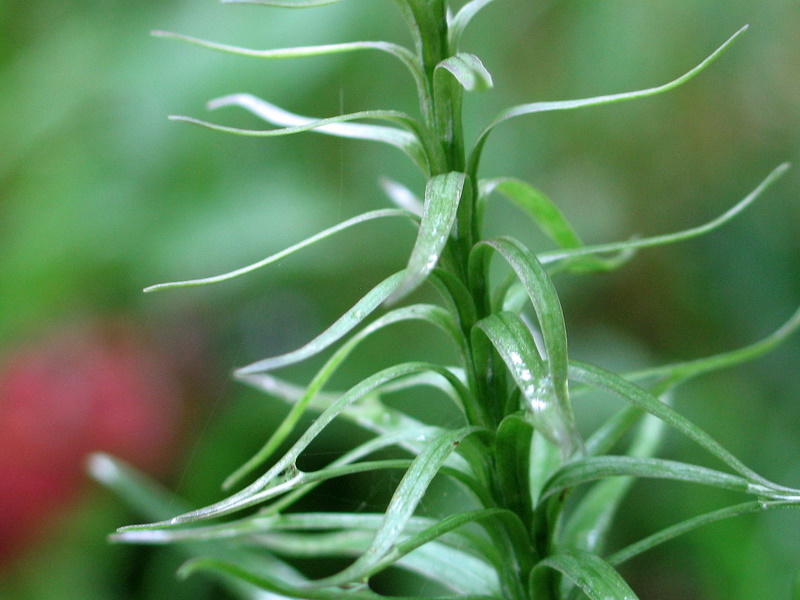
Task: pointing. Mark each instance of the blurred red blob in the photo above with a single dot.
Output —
(94, 387)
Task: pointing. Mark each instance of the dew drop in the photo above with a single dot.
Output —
(432, 259)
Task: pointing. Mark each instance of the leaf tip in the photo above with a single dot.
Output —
(160, 286)
(102, 468)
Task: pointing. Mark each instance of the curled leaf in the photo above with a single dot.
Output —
(401, 507)
(343, 325)
(540, 107)
(369, 216)
(409, 141)
(442, 197)
(594, 576)
(671, 238)
(468, 70)
(547, 306)
(688, 525)
(637, 396)
(401, 196)
(599, 467)
(514, 342)
(432, 314)
(283, 475)
(462, 18)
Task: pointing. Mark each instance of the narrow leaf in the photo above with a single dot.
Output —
(513, 341)
(401, 196)
(343, 325)
(370, 413)
(283, 476)
(669, 376)
(541, 209)
(594, 576)
(442, 196)
(660, 240)
(540, 107)
(549, 219)
(513, 453)
(138, 491)
(266, 579)
(468, 70)
(589, 523)
(424, 312)
(462, 573)
(340, 126)
(402, 506)
(637, 396)
(600, 467)
(299, 52)
(679, 529)
(409, 141)
(547, 306)
(462, 19)
(369, 216)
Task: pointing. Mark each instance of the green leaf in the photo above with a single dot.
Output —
(442, 196)
(283, 475)
(549, 219)
(462, 19)
(544, 461)
(613, 429)
(456, 296)
(468, 70)
(410, 141)
(138, 491)
(370, 413)
(152, 501)
(512, 459)
(446, 531)
(268, 581)
(637, 396)
(540, 107)
(514, 530)
(669, 376)
(424, 312)
(369, 216)
(660, 240)
(343, 325)
(513, 341)
(401, 196)
(261, 523)
(451, 77)
(299, 52)
(547, 306)
(460, 572)
(599, 467)
(679, 529)
(541, 209)
(589, 523)
(419, 435)
(401, 507)
(593, 575)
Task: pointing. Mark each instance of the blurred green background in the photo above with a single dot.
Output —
(100, 196)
